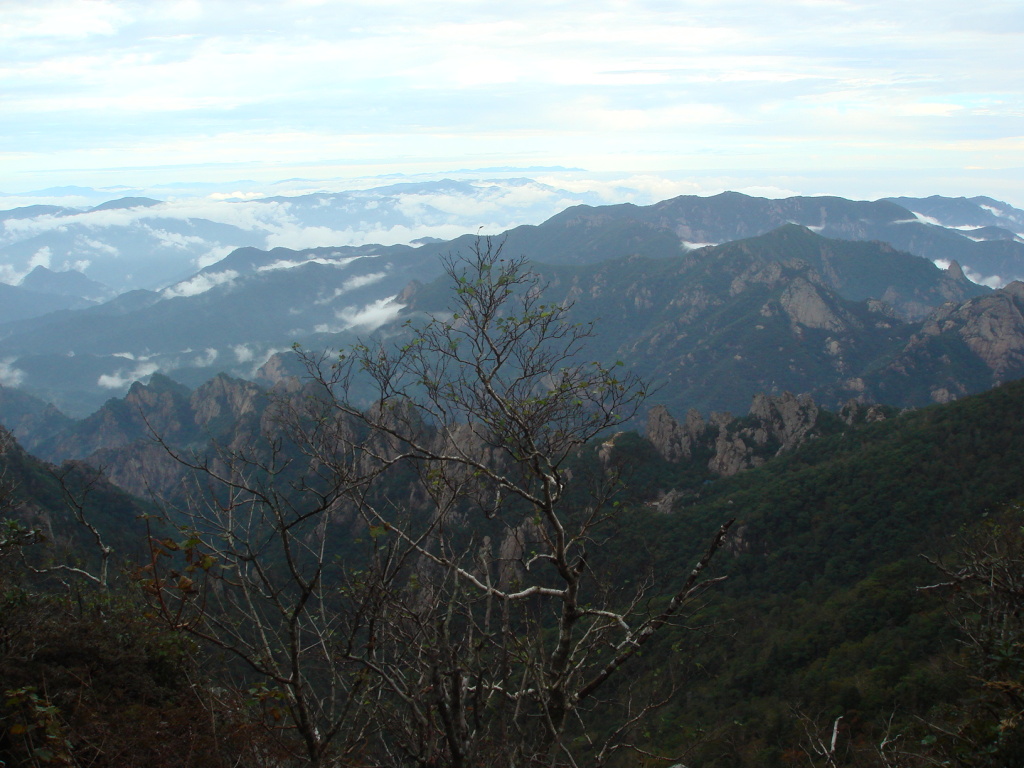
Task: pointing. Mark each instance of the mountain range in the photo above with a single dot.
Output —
(796, 314)
(144, 243)
(713, 299)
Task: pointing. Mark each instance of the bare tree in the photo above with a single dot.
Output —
(471, 625)
(13, 534)
(496, 634)
(254, 572)
(984, 582)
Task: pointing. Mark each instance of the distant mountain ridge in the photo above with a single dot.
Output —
(818, 302)
(138, 242)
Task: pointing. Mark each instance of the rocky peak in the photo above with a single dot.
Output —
(161, 406)
(858, 412)
(991, 326)
(223, 397)
(773, 425)
(786, 420)
(674, 441)
(955, 271)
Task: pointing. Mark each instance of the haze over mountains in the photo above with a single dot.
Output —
(713, 298)
(138, 242)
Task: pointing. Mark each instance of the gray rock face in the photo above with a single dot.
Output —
(996, 332)
(786, 419)
(673, 440)
(961, 349)
(805, 306)
(773, 425)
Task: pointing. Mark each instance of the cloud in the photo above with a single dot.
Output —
(358, 281)
(200, 284)
(121, 379)
(9, 375)
(243, 353)
(340, 261)
(992, 281)
(206, 359)
(237, 195)
(371, 316)
(351, 284)
(79, 265)
(213, 255)
(924, 219)
(97, 245)
(419, 87)
(41, 258)
(175, 239)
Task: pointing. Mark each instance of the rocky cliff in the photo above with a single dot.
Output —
(959, 349)
(773, 425)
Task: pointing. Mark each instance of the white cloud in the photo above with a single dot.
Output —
(175, 239)
(992, 281)
(121, 378)
(359, 281)
(201, 283)
(97, 245)
(372, 315)
(341, 261)
(205, 360)
(297, 236)
(79, 265)
(352, 283)
(412, 87)
(41, 258)
(243, 353)
(9, 375)
(213, 255)
(236, 195)
(926, 219)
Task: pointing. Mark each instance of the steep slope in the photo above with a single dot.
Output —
(960, 349)
(787, 311)
(689, 221)
(969, 214)
(29, 419)
(232, 315)
(820, 611)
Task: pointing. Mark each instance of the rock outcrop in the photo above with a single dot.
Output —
(960, 349)
(674, 441)
(774, 424)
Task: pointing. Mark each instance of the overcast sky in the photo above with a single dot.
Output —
(806, 95)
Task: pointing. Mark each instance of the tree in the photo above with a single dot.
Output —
(496, 633)
(254, 573)
(985, 586)
(13, 534)
(474, 624)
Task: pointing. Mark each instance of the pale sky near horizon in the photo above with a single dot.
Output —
(136, 93)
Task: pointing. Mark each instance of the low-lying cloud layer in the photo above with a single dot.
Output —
(143, 246)
(200, 284)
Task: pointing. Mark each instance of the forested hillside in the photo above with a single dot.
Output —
(457, 575)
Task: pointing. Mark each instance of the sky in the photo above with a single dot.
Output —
(851, 97)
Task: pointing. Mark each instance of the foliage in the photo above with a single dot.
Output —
(985, 588)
